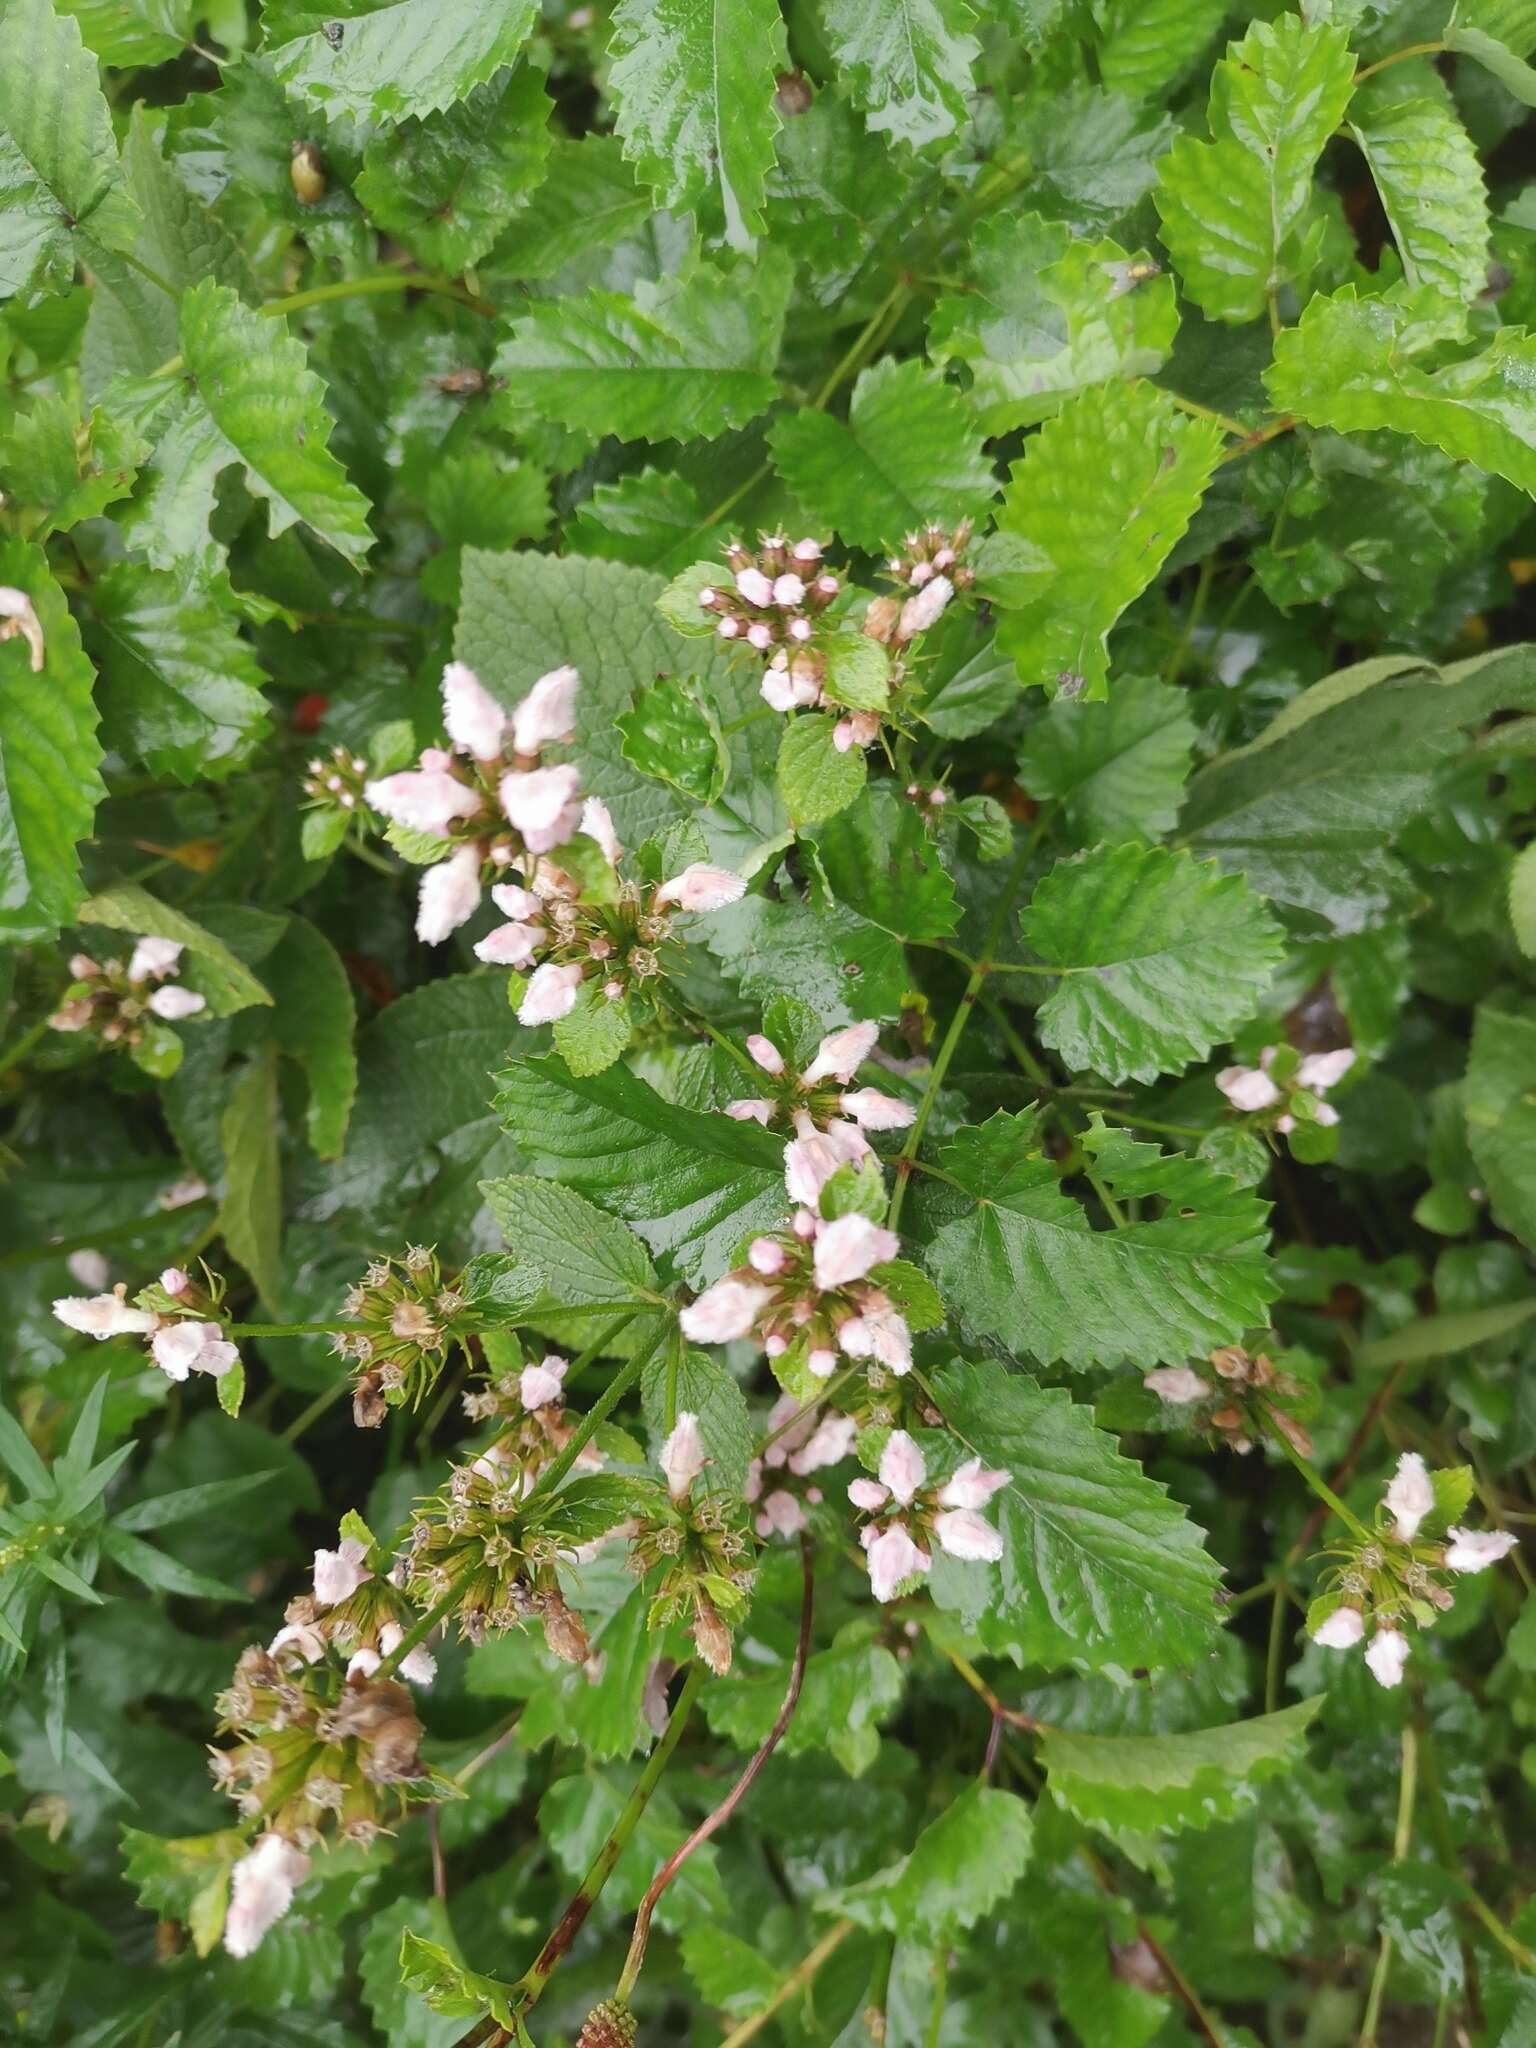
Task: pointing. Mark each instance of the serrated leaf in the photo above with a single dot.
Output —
(1426, 171)
(1499, 35)
(816, 778)
(586, 1257)
(1156, 1784)
(1501, 1115)
(1100, 1566)
(588, 200)
(575, 1816)
(1098, 500)
(693, 82)
(399, 57)
(691, 357)
(180, 690)
(905, 63)
(960, 1868)
(433, 1974)
(251, 1213)
(592, 1036)
(849, 1691)
(831, 959)
(186, 1879)
(59, 168)
(66, 468)
(1233, 208)
(1118, 766)
(1146, 45)
(879, 859)
(314, 1024)
(1162, 957)
(670, 734)
(909, 452)
(1047, 314)
(50, 776)
(693, 1185)
(1018, 1260)
(446, 186)
(225, 980)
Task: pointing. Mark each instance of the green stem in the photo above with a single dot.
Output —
(957, 1023)
(14, 1054)
(940, 2000)
(1323, 1490)
(286, 1329)
(420, 1629)
(1401, 57)
(797, 1979)
(1225, 421)
(341, 288)
(318, 1407)
(1407, 1786)
(600, 1410)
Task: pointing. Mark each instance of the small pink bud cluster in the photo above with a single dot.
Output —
(1396, 1578)
(1282, 1075)
(488, 793)
(812, 1290)
(774, 597)
(120, 1002)
(828, 1116)
(809, 1443)
(532, 1400)
(336, 784)
(1250, 1397)
(930, 567)
(181, 1321)
(905, 1512)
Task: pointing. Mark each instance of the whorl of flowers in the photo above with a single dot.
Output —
(775, 598)
(801, 1442)
(488, 795)
(828, 1116)
(1394, 1577)
(907, 1516)
(407, 1314)
(930, 568)
(1287, 1088)
(697, 1542)
(130, 1004)
(1248, 1396)
(182, 1320)
(337, 782)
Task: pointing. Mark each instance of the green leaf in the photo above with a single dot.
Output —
(1234, 209)
(50, 780)
(1098, 500)
(834, 961)
(1047, 314)
(180, 690)
(227, 982)
(816, 779)
(905, 63)
(669, 733)
(694, 1185)
(251, 1213)
(399, 57)
(1347, 364)
(1522, 899)
(186, 1880)
(1018, 1260)
(594, 1034)
(588, 200)
(679, 1380)
(1101, 1567)
(1500, 1101)
(1118, 766)
(575, 1817)
(693, 86)
(1427, 174)
(586, 1256)
(432, 1973)
(446, 186)
(1162, 957)
(59, 168)
(1499, 34)
(1146, 45)
(1157, 1784)
(730, 1973)
(849, 1691)
(68, 470)
(878, 858)
(692, 356)
(961, 1867)
(314, 1023)
(259, 404)
(908, 453)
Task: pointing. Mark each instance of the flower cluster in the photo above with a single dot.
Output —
(355, 1609)
(129, 1004)
(181, 1320)
(775, 599)
(1395, 1575)
(487, 798)
(703, 1554)
(929, 566)
(1249, 1394)
(337, 784)
(801, 1441)
(829, 1118)
(1287, 1088)
(807, 1294)
(408, 1314)
(905, 1512)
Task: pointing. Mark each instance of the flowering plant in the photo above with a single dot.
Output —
(767, 1054)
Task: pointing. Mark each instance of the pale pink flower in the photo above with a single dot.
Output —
(1473, 1550)
(962, 1533)
(175, 1003)
(1341, 1631)
(829, 1443)
(788, 590)
(789, 685)
(820, 1361)
(857, 729)
(152, 958)
(426, 799)
(1320, 1071)
(893, 1558)
(474, 719)
(419, 1666)
(550, 994)
(683, 1456)
(448, 895)
(754, 586)
(867, 1494)
(903, 1468)
(598, 825)
(104, 1315)
(521, 905)
(767, 1256)
(880, 1333)
(511, 945)
(873, 1111)
(766, 1054)
(538, 799)
(724, 1311)
(1247, 1088)
(17, 616)
(1176, 1384)
(364, 1662)
(182, 1348)
(261, 1888)
(812, 1157)
(701, 887)
(923, 610)
(542, 1384)
(339, 1572)
(89, 1269)
(1386, 1654)
(1411, 1496)
(750, 1109)
(780, 1514)
(174, 1281)
(548, 711)
(847, 1248)
(841, 1053)
(971, 1486)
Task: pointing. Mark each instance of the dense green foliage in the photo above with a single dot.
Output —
(768, 969)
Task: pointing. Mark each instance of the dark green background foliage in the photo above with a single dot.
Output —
(1216, 321)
